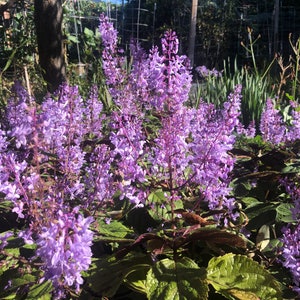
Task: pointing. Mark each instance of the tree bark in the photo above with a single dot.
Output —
(192, 36)
(48, 22)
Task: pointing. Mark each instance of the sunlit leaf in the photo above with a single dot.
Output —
(176, 280)
(161, 206)
(40, 291)
(263, 237)
(232, 273)
(136, 280)
(114, 229)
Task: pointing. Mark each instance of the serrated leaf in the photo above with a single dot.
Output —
(114, 229)
(136, 280)
(106, 275)
(231, 273)
(173, 280)
(40, 291)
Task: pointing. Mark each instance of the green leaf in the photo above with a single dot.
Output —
(160, 205)
(114, 230)
(106, 275)
(249, 201)
(239, 277)
(73, 39)
(136, 280)
(173, 280)
(260, 214)
(40, 291)
(284, 213)
(263, 237)
(88, 32)
(12, 280)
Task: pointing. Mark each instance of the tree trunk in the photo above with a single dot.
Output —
(48, 22)
(192, 36)
(276, 25)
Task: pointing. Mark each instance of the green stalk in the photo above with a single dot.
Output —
(296, 50)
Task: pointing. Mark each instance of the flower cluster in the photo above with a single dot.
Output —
(185, 139)
(65, 248)
(272, 125)
(213, 136)
(42, 158)
(290, 249)
(291, 253)
(204, 72)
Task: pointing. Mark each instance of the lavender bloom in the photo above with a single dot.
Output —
(3, 239)
(18, 116)
(177, 74)
(291, 253)
(169, 158)
(3, 141)
(112, 62)
(249, 132)
(98, 177)
(128, 140)
(94, 108)
(61, 121)
(291, 236)
(65, 249)
(294, 130)
(165, 77)
(205, 72)
(13, 189)
(271, 126)
(213, 136)
(71, 160)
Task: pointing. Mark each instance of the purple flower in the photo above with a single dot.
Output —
(18, 116)
(94, 108)
(272, 126)
(294, 129)
(98, 178)
(113, 63)
(64, 246)
(291, 253)
(62, 121)
(205, 72)
(249, 132)
(128, 140)
(213, 136)
(4, 236)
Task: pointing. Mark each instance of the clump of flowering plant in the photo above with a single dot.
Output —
(147, 183)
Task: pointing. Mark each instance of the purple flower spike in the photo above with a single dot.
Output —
(65, 249)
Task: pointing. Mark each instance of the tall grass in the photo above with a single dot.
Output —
(256, 89)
